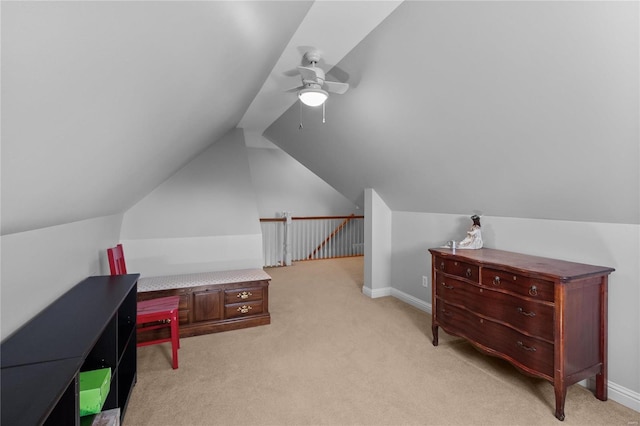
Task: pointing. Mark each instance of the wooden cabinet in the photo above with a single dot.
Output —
(545, 316)
(217, 307)
(206, 304)
(91, 326)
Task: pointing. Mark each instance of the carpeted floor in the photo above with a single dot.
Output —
(332, 356)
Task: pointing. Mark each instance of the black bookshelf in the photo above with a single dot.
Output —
(91, 326)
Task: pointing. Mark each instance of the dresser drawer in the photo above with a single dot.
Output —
(242, 295)
(532, 318)
(453, 290)
(456, 267)
(525, 286)
(531, 353)
(456, 320)
(245, 309)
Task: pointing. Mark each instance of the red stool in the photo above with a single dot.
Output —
(153, 313)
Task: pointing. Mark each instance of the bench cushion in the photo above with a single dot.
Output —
(203, 278)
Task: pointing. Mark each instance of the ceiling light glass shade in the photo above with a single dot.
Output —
(313, 97)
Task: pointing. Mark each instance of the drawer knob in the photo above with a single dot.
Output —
(468, 273)
(244, 295)
(244, 309)
(533, 290)
(450, 287)
(442, 266)
(496, 280)
(525, 347)
(528, 314)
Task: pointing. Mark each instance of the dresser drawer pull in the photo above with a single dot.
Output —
(468, 273)
(450, 287)
(529, 314)
(496, 280)
(533, 290)
(525, 347)
(244, 295)
(244, 309)
(442, 266)
(447, 313)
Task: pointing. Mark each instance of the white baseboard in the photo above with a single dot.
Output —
(617, 393)
(379, 292)
(411, 300)
(624, 396)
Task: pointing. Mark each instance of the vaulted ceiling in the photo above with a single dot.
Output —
(523, 109)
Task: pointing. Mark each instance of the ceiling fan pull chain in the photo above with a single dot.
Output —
(323, 120)
(300, 127)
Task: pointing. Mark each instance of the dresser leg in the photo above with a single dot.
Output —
(601, 386)
(434, 330)
(561, 393)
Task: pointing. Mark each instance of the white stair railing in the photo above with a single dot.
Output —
(308, 238)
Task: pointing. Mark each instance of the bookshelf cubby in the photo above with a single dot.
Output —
(91, 326)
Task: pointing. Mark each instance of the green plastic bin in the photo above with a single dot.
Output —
(94, 387)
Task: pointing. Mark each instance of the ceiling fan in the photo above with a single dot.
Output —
(315, 89)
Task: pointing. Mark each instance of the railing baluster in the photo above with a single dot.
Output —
(312, 238)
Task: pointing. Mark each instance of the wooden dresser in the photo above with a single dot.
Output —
(547, 317)
(212, 301)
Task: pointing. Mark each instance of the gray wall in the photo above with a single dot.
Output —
(283, 184)
(39, 266)
(203, 218)
(206, 216)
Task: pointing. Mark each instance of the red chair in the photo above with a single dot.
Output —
(152, 314)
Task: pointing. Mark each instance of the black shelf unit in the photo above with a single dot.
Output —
(91, 326)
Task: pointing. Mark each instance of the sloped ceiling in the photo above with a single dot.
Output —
(519, 109)
(523, 109)
(103, 101)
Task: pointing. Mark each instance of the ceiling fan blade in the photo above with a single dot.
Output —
(294, 89)
(309, 73)
(291, 73)
(337, 73)
(336, 87)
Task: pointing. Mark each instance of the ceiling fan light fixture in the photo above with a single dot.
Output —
(312, 97)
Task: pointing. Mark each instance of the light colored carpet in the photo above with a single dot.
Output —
(332, 356)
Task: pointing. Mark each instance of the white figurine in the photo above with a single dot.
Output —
(473, 240)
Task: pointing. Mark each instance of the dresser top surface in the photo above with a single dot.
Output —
(555, 268)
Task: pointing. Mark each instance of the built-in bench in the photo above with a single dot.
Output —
(212, 301)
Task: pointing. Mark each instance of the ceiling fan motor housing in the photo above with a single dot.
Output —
(313, 56)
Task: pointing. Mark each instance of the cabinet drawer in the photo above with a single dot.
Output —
(525, 286)
(531, 353)
(455, 267)
(243, 309)
(241, 295)
(532, 318)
